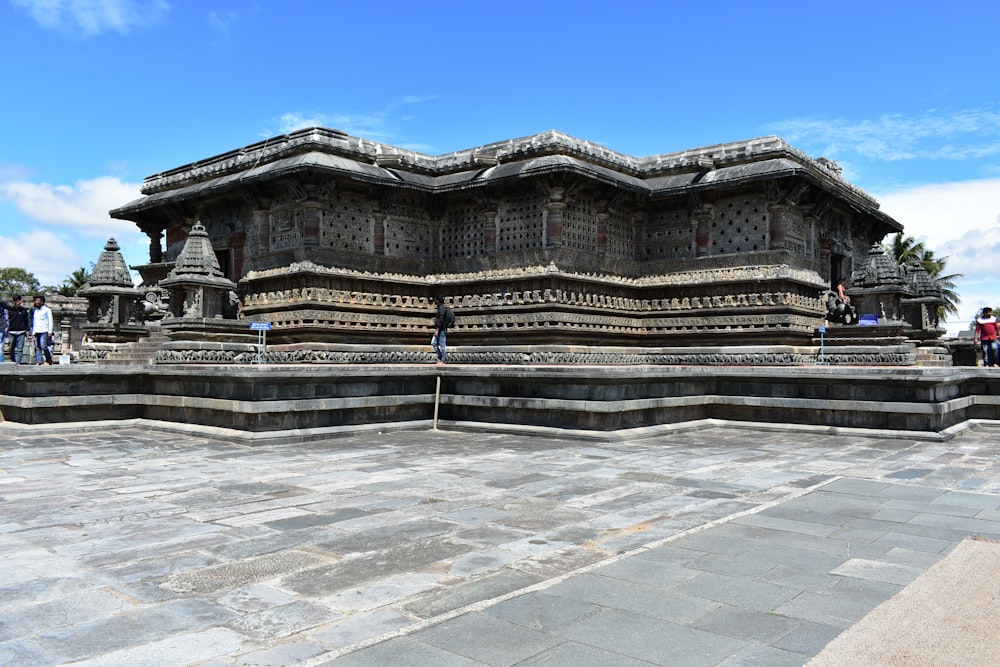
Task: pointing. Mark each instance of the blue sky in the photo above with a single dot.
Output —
(98, 94)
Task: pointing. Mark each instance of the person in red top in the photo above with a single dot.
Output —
(987, 333)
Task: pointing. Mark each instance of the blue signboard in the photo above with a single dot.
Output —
(260, 326)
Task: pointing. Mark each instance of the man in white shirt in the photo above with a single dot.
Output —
(42, 326)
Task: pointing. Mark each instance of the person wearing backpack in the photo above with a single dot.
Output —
(444, 319)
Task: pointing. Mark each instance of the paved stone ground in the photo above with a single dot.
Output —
(716, 547)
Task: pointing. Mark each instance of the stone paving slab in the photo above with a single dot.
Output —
(724, 546)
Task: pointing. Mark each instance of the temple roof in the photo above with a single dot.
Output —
(338, 154)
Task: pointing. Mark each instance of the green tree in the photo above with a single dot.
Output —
(14, 281)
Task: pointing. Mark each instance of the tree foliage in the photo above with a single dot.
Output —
(15, 280)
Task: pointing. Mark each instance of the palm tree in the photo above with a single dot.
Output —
(904, 249)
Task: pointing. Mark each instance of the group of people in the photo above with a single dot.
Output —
(18, 321)
(987, 336)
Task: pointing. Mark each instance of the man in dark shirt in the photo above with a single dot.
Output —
(443, 319)
(18, 325)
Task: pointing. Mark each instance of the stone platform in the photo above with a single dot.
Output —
(270, 403)
(718, 547)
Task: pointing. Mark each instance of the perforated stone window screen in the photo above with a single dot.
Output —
(740, 225)
(347, 224)
(519, 224)
(409, 208)
(579, 230)
(619, 229)
(462, 232)
(408, 238)
(668, 235)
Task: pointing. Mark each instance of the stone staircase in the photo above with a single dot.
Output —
(140, 353)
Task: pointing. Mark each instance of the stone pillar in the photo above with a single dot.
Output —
(65, 329)
(311, 216)
(553, 219)
(602, 233)
(237, 243)
(155, 249)
(490, 232)
(778, 216)
(824, 260)
(639, 234)
(702, 223)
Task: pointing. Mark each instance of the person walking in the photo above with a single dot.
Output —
(444, 319)
(42, 327)
(986, 335)
(18, 324)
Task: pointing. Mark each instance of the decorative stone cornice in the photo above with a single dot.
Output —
(383, 158)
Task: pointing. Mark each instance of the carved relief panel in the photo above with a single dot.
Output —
(286, 228)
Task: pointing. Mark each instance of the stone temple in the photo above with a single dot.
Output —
(550, 249)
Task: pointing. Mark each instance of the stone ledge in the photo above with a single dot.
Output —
(259, 404)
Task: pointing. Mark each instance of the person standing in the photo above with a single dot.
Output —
(42, 326)
(444, 319)
(18, 324)
(987, 334)
(3, 334)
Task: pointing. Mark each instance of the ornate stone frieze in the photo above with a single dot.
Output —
(196, 355)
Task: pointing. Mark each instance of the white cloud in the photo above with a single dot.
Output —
(961, 222)
(374, 125)
(943, 212)
(935, 134)
(222, 21)
(68, 225)
(83, 206)
(49, 256)
(93, 17)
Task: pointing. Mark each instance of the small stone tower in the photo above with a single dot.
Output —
(114, 310)
(198, 288)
